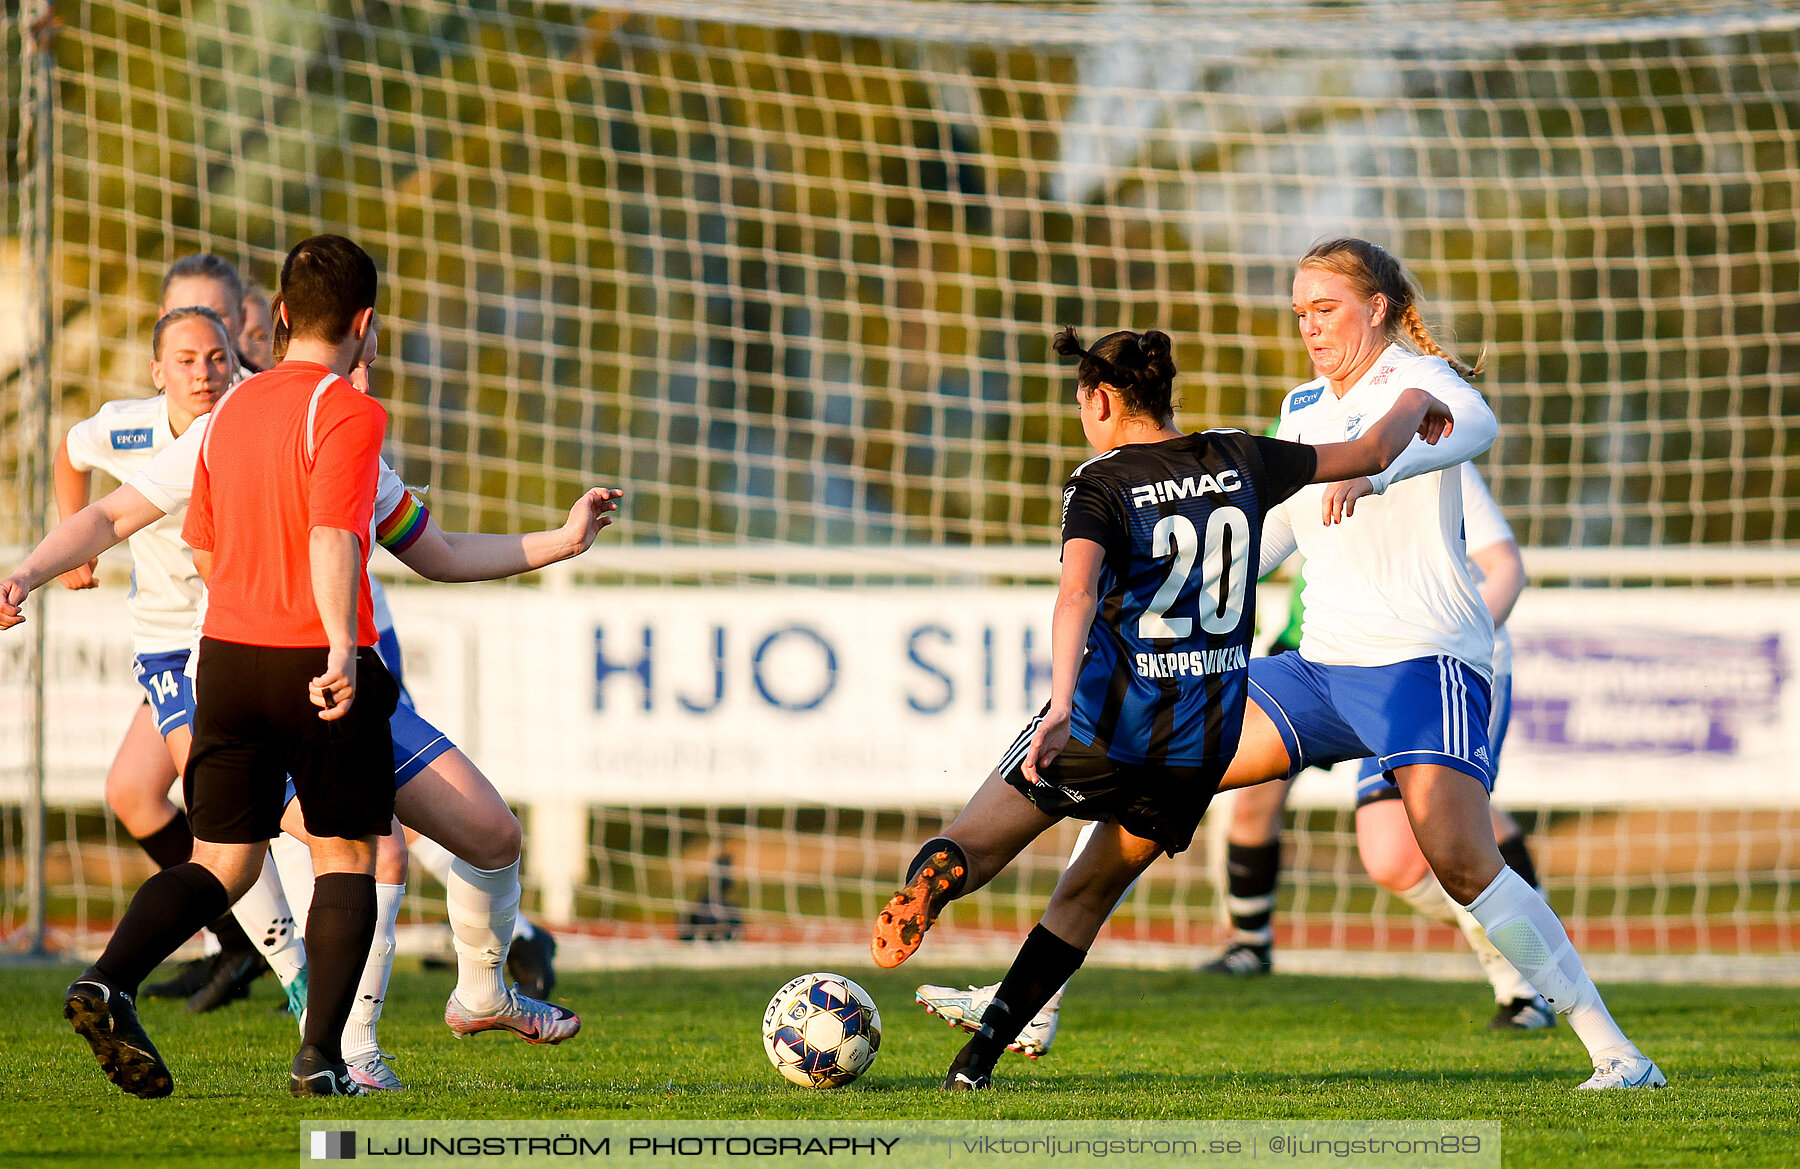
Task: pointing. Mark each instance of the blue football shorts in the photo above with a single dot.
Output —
(1426, 710)
(416, 742)
(164, 678)
(387, 644)
(1372, 783)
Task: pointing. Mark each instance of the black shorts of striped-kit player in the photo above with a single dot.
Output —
(1156, 801)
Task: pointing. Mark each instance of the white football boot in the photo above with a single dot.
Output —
(1632, 1071)
(964, 1008)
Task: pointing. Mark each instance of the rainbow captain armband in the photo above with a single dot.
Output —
(403, 525)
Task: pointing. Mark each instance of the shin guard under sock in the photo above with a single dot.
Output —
(339, 928)
(167, 910)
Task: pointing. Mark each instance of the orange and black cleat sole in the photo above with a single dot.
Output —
(901, 925)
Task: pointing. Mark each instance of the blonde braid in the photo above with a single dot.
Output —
(1414, 325)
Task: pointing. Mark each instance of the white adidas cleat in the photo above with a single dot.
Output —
(1630, 1071)
(964, 1008)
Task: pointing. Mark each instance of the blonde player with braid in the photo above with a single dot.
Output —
(1396, 653)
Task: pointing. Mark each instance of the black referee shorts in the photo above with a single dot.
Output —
(255, 727)
(1160, 802)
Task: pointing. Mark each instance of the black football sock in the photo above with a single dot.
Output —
(959, 866)
(1045, 962)
(166, 912)
(1251, 873)
(173, 844)
(170, 845)
(338, 932)
(1518, 858)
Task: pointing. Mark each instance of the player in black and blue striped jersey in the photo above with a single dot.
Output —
(1161, 535)
(1178, 522)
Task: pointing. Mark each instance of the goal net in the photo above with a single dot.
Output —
(788, 273)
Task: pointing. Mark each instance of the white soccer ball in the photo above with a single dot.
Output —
(821, 1030)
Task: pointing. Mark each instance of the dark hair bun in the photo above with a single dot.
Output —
(1154, 343)
(1067, 343)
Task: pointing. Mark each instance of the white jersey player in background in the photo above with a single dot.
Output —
(191, 368)
(445, 796)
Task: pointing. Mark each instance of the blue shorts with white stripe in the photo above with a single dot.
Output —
(1426, 710)
(1372, 783)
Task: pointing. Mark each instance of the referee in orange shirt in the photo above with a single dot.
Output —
(288, 682)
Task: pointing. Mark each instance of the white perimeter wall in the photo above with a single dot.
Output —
(885, 696)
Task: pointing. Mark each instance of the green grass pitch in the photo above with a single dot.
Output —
(665, 1044)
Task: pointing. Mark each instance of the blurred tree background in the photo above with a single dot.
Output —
(790, 275)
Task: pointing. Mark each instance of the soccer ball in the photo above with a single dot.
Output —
(821, 1030)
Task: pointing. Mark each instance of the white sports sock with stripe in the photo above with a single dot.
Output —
(483, 904)
(371, 992)
(1524, 928)
(1429, 898)
(436, 859)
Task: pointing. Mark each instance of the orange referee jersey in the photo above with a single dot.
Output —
(286, 451)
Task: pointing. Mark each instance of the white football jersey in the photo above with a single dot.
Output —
(1483, 527)
(121, 440)
(1392, 582)
(167, 480)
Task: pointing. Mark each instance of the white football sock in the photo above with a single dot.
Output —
(1262, 937)
(1524, 928)
(433, 856)
(483, 904)
(1429, 898)
(359, 1032)
(436, 859)
(265, 916)
(293, 860)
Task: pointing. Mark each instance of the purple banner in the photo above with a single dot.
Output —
(1643, 690)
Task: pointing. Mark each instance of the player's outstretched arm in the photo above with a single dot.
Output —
(74, 542)
(1346, 466)
(72, 486)
(1414, 412)
(471, 556)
